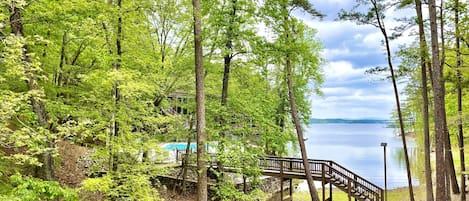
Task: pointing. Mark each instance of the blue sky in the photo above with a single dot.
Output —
(350, 49)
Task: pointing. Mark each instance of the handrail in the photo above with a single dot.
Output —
(346, 172)
(326, 167)
(360, 184)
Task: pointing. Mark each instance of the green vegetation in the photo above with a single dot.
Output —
(400, 194)
(116, 78)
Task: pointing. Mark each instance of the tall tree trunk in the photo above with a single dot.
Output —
(39, 109)
(448, 152)
(226, 78)
(59, 73)
(396, 96)
(439, 104)
(299, 131)
(185, 164)
(229, 54)
(426, 127)
(200, 99)
(459, 89)
(451, 171)
(116, 91)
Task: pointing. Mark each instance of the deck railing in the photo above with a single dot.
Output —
(329, 170)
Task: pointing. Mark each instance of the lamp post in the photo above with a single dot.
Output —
(384, 144)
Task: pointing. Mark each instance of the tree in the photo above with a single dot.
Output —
(291, 41)
(200, 99)
(30, 71)
(80, 102)
(117, 64)
(231, 34)
(424, 63)
(375, 17)
(439, 107)
(459, 91)
(450, 170)
(297, 123)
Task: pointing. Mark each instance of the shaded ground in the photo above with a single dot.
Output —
(170, 195)
(399, 194)
(73, 162)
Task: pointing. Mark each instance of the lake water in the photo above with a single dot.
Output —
(357, 147)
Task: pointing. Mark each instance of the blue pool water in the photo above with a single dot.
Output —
(179, 146)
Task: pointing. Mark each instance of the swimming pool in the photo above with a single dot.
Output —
(179, 146)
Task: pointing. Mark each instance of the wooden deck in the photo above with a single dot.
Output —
(328, 172)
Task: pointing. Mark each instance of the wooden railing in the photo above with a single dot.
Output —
(331, 169)
(326, 169)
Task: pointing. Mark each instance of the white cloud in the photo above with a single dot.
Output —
(341, 70)
(367, 100)
(337, 29)
(373, 40)
(334, 91)
(358, 36)
(350, 50)
(331, 53)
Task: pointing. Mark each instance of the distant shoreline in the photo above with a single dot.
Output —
(348, 121)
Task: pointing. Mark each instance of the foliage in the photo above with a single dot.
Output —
(122, 186)
(27, 188)
(69, 51)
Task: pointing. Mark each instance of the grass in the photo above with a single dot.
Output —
(399, 194)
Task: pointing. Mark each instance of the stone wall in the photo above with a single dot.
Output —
(270, 185)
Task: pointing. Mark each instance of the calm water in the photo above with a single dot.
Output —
(179, 146)
(357, 147)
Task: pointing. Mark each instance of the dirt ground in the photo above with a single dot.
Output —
(72, 164)
(169, 195)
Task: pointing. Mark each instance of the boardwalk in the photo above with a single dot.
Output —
(328, 172)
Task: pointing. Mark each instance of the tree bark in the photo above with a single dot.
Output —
(439, 105)
(459, 89)
(299, 131)
(113, 157)
(38, 106)
(200, 99)
(229, 55)
(448, 149)
(226, 78)
(185, 164)
(396, 96)
(62, 61)
(450, 162)
(426, 127)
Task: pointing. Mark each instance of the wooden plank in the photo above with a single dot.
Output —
(322, 170)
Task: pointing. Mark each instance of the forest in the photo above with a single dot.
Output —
(89, 90)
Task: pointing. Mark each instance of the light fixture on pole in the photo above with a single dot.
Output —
(384, 144)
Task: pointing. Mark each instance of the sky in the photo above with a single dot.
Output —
(350, 49)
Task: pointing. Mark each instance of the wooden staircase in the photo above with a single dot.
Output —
(327, 171)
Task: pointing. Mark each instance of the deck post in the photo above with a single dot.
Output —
(281, 168)
(330, 183)
(281, 188)
(382, 195)
(323, 177)
(349, 190)
(245, 187)
(291, 189)
(355, 183)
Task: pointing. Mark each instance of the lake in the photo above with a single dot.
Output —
(357, 147)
